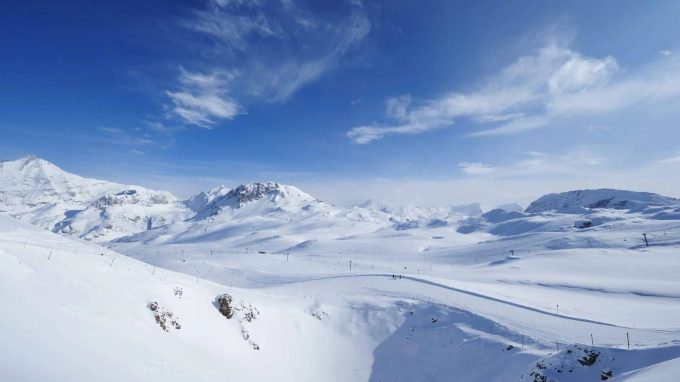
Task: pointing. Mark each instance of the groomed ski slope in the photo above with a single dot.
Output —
(80, 314)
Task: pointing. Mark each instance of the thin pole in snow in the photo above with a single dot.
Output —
(50, 255)
(646, 242)
(350, 265)
(591, 339)
(628, 340)
(558, 308)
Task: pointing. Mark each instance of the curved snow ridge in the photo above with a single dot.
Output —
(454, 289)
(593, 289)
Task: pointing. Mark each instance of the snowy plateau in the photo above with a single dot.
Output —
(263, 282)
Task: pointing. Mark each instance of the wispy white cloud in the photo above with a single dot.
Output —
(122, 137)
(202, 99)
(476, 168)
(232, 23)
(539, 164)
(278, 81)
(673, 159)
(534, 91)
(258, 52)
(163, 129)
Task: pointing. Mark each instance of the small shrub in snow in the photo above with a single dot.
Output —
(319, 314)
(589, 358)
(245, 313)
(164, 318)
(178, 292)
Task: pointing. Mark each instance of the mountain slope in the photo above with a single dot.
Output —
(73, 311)
(582, 200)
(39, 192)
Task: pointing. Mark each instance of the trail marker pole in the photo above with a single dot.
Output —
(646, 242)
(50, 255)
(558, 308)
(592, 343)
(350, 265)
(628, 340)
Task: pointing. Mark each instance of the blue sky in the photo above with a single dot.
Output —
(425, 102)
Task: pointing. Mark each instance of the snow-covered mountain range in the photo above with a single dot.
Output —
(39, 192)
(279, 217)
(557, 292)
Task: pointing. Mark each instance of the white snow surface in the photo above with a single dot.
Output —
(343, 294)
(578, 200)
(39, 192)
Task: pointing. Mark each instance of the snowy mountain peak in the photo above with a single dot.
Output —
(245, 193)
(580, 200)
(31, 182)
(259, 198)
(375, 205)
(38, 191)
(199, 201)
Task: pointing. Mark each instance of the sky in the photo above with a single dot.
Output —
(420, 102)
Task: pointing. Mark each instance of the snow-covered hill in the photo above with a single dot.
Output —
(39, 192)
(73, 311)
(582, 200)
